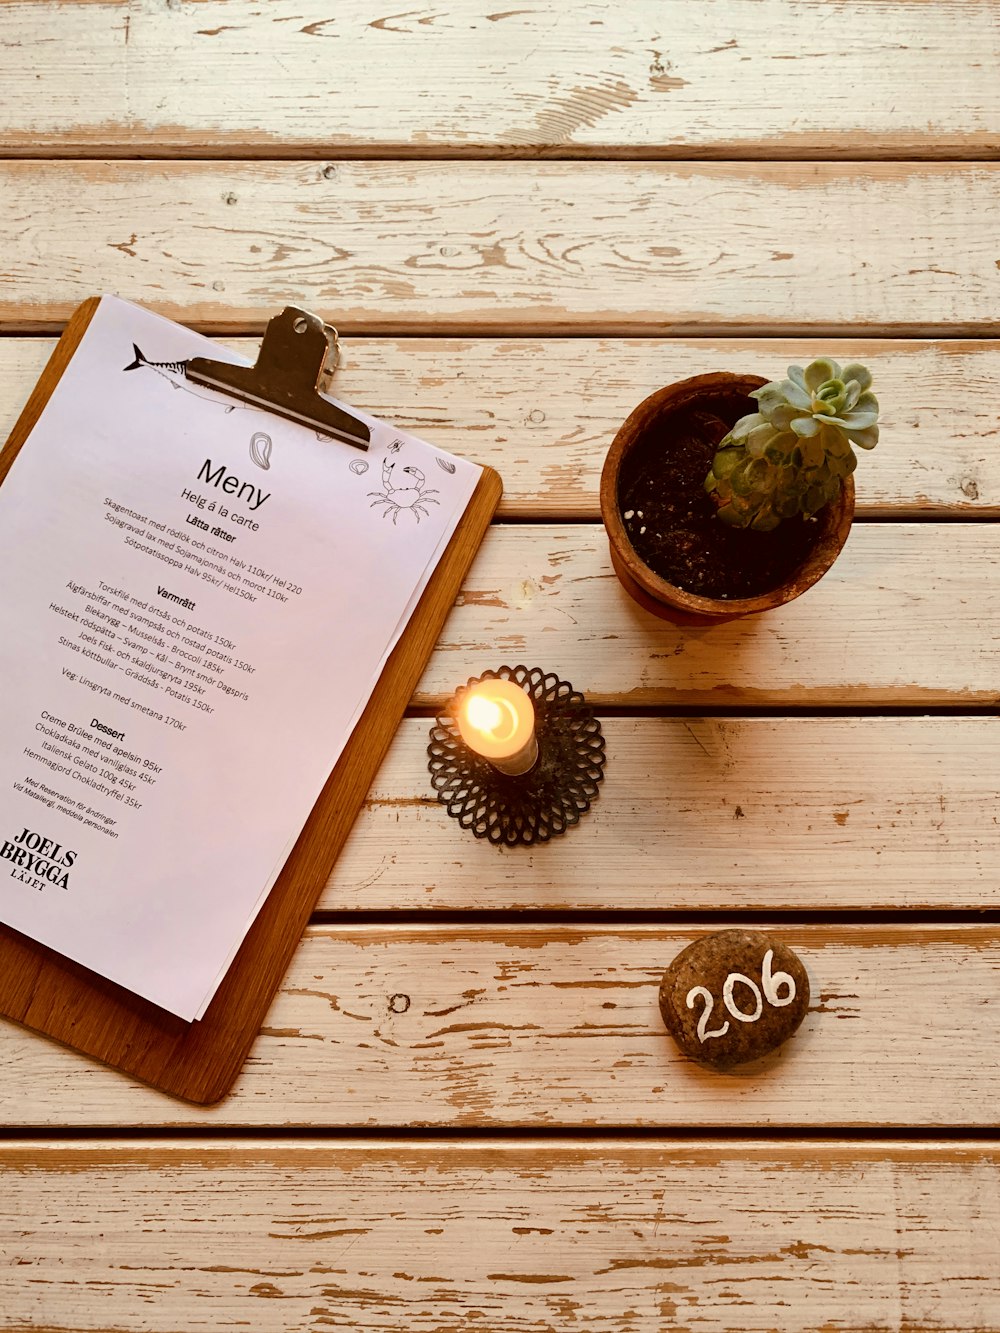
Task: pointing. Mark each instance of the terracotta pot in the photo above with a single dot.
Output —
(725, 396)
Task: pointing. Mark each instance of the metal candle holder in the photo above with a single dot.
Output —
(551, 796)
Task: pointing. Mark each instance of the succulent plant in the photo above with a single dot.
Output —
(792, 454)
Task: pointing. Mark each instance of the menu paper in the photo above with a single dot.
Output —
(198, 598)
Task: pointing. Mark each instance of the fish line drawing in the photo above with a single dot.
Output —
(175, 373)
(405, 490)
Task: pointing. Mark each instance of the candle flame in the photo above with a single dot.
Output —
(484, 714)
(496, 720)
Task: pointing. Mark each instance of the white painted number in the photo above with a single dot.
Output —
(730, 1003)
(779, 990)
(772, 980)
(692, 995)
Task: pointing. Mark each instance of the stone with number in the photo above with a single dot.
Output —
(733, 997)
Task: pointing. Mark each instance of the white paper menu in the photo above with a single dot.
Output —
(197, 599)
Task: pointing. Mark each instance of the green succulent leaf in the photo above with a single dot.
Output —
(859, 419)
(843, 467)
(758, 440)
(728, 515)
(835, 444)
(793, 393)
(769, 397)
(757, 471)
(859, 373)
(785, 441)
(744, 426)
(765, 519)
(805, 426)
(786, 504)
(818, 372)
(781, 417)
(725, 460)
(865, 439)
(814, 500)
(812, 452)
(833, 392)
(739, 480)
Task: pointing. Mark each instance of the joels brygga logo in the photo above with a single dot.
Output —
(38, 861)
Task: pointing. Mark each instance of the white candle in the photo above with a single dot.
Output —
(496, 718)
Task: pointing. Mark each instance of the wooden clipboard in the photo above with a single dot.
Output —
(200, 1061)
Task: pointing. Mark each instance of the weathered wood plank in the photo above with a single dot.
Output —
(547, 1026)
(501, 247)
(905, 616)
(769, 814)
(420, 1237)
(719, 77)
(544, 413)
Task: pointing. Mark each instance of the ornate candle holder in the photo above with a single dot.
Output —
(530, 807)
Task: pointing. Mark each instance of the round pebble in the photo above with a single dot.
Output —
(732, 997)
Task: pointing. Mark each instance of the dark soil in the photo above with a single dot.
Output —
(671, 522)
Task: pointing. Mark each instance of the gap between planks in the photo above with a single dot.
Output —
(614, 1138)
(988, 151)
(875, 1145)
(491, 328)
(624, 918)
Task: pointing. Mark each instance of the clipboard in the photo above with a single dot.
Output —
(199, 1061)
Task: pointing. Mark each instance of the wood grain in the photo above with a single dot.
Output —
(543, 414)
(620, 1237)
(654, 270)
(714, 77)
(710, 813)
(905, 617)
(508, 247)
(546, 1026)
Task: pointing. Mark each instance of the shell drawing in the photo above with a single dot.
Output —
(358, 466)
(445, 464)
(260, 449)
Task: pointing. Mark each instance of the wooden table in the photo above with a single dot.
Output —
(463, 1111)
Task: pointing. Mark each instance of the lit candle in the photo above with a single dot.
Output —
(497, 720)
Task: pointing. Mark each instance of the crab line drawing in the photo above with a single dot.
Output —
(409, 492)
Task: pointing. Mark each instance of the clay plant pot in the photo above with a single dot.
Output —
(725, 396)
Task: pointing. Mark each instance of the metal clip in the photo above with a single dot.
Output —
(334, 351)
(298, 356)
